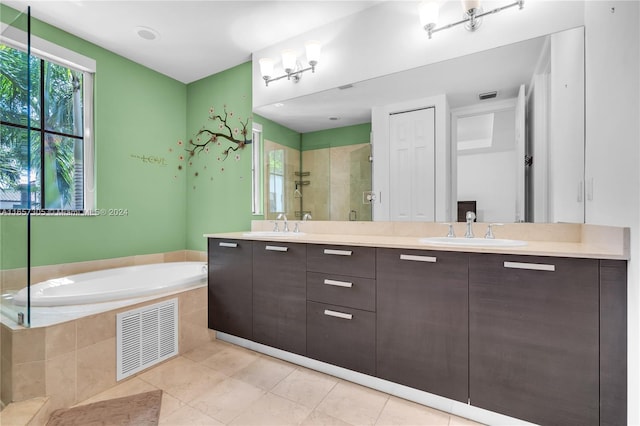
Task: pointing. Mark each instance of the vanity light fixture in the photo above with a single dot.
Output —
(290, 64)
(429, 11)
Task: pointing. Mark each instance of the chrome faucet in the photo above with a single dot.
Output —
(283, 217)
(489, 233)
(307, 216)
(471, 216)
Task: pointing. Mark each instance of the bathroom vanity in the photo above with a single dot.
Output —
(535, 332)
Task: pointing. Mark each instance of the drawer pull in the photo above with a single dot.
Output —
(231, 245)
(416, 258)
(338, 252)
(338, 283)
(276, 248)
(531, 266)
(337, 314)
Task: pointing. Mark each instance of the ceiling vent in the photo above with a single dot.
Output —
(346, 86)
(487, 95)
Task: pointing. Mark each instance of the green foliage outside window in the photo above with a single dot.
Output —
(56, 138)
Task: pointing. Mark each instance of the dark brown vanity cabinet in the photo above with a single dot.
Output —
(341, 294)
(230, 294)
(534, 337)
(279, 295)
(422, 320)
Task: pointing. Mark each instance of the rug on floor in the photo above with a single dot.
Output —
(138, 410)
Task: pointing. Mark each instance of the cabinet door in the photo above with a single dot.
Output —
(422, 320)
(613, 342)
(279, 295)
(230, 287)
(342, 336)
(533, 337)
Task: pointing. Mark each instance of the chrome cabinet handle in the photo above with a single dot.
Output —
(338, 283)
(276, 248)
(417, 258)
(530, 266)
(338, 252)
(337, 314)
(231, 245)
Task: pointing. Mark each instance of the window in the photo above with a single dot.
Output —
(54, 170)
(276, 181)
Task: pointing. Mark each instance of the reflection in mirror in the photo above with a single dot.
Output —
(281, 163)
(549, 189)
(486, 155)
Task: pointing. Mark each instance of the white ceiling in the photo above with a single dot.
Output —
(196, 38)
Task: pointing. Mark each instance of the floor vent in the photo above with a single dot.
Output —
(146, 336)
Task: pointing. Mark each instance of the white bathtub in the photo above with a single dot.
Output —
(116, 284)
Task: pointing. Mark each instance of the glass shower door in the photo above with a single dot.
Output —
(17, 177)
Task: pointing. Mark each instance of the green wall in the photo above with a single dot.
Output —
(341, 136)
(277, 133)
(218, 190)
(137, 112)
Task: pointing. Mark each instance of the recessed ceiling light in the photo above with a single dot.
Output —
(146, 33)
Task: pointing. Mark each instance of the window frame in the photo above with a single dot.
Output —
(53, 53)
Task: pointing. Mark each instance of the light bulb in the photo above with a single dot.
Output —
(313, 52)
(289, 59)
(429, 12)
(266, 67)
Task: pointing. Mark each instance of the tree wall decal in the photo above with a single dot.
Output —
(237, 136)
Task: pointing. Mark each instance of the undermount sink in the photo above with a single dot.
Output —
(472, 242)
(277, 234)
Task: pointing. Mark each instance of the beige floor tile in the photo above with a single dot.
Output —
(265, 372)
(306, 387)
(318, 418)
(461, 421)
(230, 360)
(273, 410)
(169, 405)
(399, 412)
(130, 387)
(353, 403)
(227, 400)
(188, 416)
(182, 378)
(206, 350)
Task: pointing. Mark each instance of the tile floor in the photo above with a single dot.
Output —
(220, 383)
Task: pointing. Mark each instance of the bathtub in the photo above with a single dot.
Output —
(116, 284)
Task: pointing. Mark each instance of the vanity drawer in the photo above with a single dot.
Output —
(342, 260)
(342, 336)
(353, 292)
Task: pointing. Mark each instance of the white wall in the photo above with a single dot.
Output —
(613, 146)
(488, 179)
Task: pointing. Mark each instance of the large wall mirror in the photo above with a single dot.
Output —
(514, 133)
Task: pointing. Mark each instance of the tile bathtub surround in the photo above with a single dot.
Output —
(207, 386)
(72, 361)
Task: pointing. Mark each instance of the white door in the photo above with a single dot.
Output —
(412, 165)
(520, 155)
